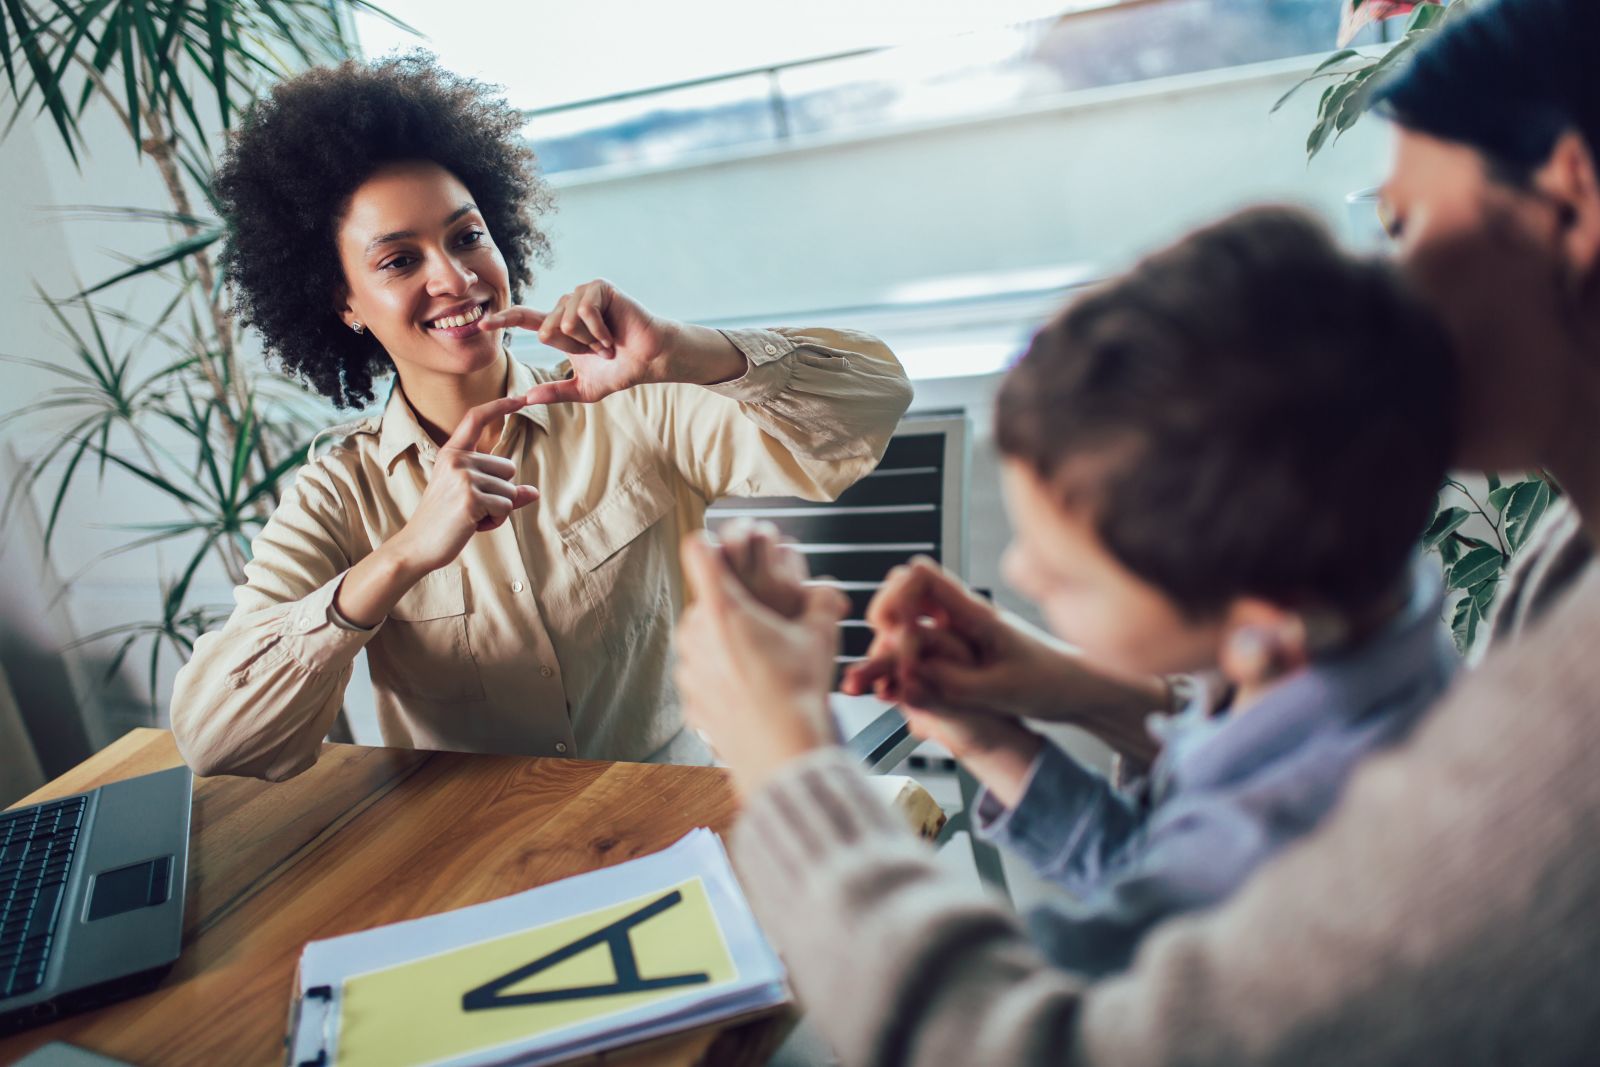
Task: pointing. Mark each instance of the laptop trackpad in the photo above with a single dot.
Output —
(142, 885)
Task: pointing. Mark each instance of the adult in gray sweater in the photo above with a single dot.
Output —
(1446, 912)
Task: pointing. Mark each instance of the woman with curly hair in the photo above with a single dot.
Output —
(382, 217)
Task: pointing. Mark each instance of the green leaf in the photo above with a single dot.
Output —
(1494, 481)
(1464, 623)
(1475, 566)
(1450, 550)
(216, 36)
(1499, 498)
(1529, 501)
(1423, 16)
(1444, 524)
(154, 479)
(49, 87)
(164, 257)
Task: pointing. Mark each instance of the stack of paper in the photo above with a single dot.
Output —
(649, 947)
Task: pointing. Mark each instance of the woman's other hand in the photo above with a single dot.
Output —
(615, 344)
(468, 491)
(754, 683)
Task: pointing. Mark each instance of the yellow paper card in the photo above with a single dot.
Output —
(582, 969)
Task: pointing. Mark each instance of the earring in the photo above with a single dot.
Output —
(358, 328)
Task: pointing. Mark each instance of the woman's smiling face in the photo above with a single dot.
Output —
(420, 269)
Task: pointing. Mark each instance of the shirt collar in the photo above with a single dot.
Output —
(401, 431)
(1383, 675)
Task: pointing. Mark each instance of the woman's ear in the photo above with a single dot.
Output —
(1569, 180)
(346, 313)
(1261, 642)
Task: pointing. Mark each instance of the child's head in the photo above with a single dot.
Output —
(1245, 430)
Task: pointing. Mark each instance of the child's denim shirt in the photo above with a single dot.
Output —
(1225, 794)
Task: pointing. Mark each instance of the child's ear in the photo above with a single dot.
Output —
(1261, 642)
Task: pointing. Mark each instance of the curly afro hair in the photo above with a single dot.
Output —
(302, 151)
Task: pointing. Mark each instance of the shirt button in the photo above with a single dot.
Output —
(772, 349)
(561, 746)
(517, 586)
(546, 671)
(302, 623)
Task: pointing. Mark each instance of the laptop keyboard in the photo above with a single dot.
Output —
(36, 848)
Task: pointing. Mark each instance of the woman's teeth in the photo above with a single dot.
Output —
(462, 319)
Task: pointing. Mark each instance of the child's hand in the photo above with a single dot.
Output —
(968, 734)
(996, 749)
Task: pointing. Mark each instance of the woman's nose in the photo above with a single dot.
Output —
(449, 275)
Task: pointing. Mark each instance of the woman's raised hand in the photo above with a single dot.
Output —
(615, 344)
(468, 491)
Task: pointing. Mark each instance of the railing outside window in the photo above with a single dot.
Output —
(1095, 43)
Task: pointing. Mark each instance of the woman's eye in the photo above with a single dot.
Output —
(397, 263)
(472, 237)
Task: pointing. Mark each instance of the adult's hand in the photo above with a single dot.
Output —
(770, 568)
(615, 344)
(468, 491)
(754, 683)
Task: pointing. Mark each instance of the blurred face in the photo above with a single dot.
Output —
(1489, 258)
(421, 269)
(1123, 624)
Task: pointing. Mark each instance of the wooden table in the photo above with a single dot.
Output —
(371, 836)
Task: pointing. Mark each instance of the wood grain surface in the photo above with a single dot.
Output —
(371, 836)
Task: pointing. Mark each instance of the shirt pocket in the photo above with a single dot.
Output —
(620, 551)
(424, 649)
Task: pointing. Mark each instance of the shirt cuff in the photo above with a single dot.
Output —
(336, 616)
(311, 636)
(1058, 791)
(767, 368)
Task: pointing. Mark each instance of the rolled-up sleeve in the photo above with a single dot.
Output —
(258, 696)
(812, 414)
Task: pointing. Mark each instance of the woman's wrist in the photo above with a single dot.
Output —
(699, 355)
(800, 727)
(371, 587)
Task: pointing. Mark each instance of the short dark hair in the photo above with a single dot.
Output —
(1506, 77)
(298, 155)
(1265, 415)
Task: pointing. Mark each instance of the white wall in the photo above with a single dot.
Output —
(1096, 178)
(1092, 180)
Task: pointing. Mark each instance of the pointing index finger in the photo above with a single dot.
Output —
(470, 428)
(525, 318)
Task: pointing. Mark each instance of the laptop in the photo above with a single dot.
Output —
(91, 896)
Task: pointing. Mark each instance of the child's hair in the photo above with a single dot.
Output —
(1250, 412)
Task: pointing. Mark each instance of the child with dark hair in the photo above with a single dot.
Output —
(1218, 466)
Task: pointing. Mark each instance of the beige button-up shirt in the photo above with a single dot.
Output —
(550, 634)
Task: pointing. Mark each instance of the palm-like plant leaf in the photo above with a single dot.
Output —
(167, 401)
